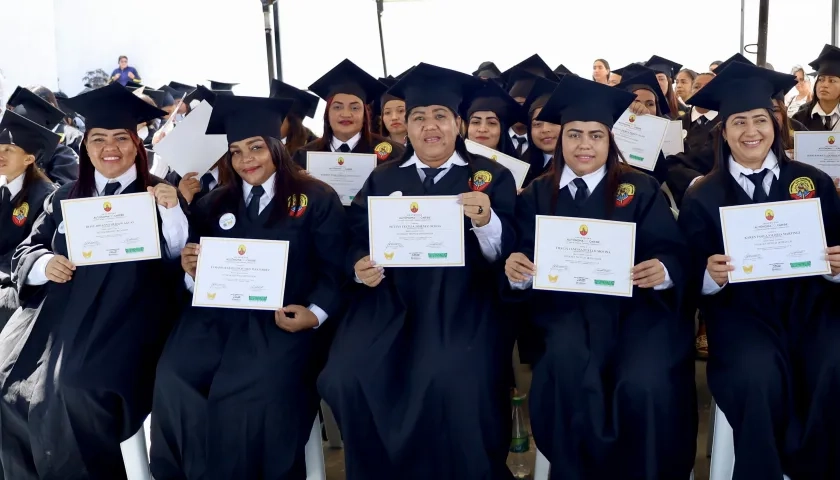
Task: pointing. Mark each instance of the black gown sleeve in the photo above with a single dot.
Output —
(503, 202)
(357, 218)
(526, 221)
(330, 233)
(700, 233)
(38, 244)
(63, 167)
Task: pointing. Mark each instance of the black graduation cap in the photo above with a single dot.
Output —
(162, 98)
(132, 86)
(729, 61)
(741, 87)
(663, 65)
(181, 87)
(113, 107)
(214, 85)
(487, 70)
(348, 78)
(539, 94)
(534, 65)
(305, 103)
(631, 70)
(245, 117)
(648, 81)
(27, 104)
(431, 85)
(61, 98)
(403, 74)
(828, 63)
(577, 99)
(201, 93)
(490, 97)
(562, 70)
(172, 93)
(28, 135)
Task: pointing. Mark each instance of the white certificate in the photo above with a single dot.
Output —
(584, 255)
(187, 148)
(416, 231)
(821, 150)
(517, 167)
(774, 240)
(640, 138)
(673, 143)
(112, 229)
(346, 173)
(241, 273)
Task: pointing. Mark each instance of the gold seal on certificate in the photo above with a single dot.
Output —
(774, 240)
(241, 273)
(640, 138)
(346, 173)
(416, 231)
(584, 255)
(821, 150)
(112, 229)
(517, 167)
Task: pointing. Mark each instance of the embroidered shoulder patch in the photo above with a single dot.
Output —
(480, 180)
(19, 214)
(297, 205)
(383, 151)
(802, 188)
(624, 194)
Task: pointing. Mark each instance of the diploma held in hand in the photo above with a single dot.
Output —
(584, 255)
(416, 231)
(346, 173)
(821, 150)
(774, 240)
(640, 138)
(112, 229)
(241, 273)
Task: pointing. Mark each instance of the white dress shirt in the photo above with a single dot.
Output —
(265, 199)
(695, 115)
(547, 158)
(835, 115)
(513, 134)
(175, 227)
(739, 173)
(14, 187)
(215, 181)
(335, 144)
(592, 180)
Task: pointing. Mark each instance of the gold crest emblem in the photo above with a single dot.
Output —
(553, 278)
(748, 268)
(480, 180)
(87, 254)
(389, 255)
(20, 213)
(211, 296)
(383, 151)
(802, 188)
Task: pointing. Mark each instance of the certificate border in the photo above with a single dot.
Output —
(340, 154)
(371, 199)
(723, 210)
(661, 141)
(99, 198)
(480, 147)
(631, 225)
(812, 134)
(682, 140)
(285, 243)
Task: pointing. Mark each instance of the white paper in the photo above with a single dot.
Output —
(188, 149)
(111, 229)
(241, 273)
(640, 138)
(584, 255)
(517, 167)
(421, 231)
(170, 123)
(346, 173)
(821, 150)
(673, 143)
(774, 240)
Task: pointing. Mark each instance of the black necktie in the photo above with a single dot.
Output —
(582, 191)
(759, 195)
(431, 173)
(5, 195)
(520, 144)
(206, 180)
(111, 189)
(702, 120)
(254, 204)
(344, 148)
(827, 121)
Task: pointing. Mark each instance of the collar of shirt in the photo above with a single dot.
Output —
(819, 111)
(695, 115)
(547, 158)
(455, 159)
(268, 186)
(592, 179)
(513, 133)
(125, 180)
(15, 186)
(738, 172)
(336, 143)
(215, 173)
(283, 140)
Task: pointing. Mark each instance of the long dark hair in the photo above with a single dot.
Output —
(786, 128)
(297, 135)
(673, 103)
(289, 182)
(616, 166)
(86, 185)
(32, 174)
(323, 143)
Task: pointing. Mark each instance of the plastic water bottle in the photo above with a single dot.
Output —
(519, 442)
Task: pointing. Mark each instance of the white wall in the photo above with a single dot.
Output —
(27, 44)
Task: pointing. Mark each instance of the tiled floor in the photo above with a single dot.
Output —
(335, 457)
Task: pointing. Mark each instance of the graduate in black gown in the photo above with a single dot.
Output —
(77, 359)
(419, 372)
(773, 357)
(542, 135)
(235, 391)
(489, 113)
(23, 188)
(613, 395)
(63, 166)
(348, 89)
(519, 87)
(822, 113)
(292, 133)
(666, 71)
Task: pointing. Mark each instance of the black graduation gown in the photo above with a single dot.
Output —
(613, 394)
(418, 375)
(63, 167)
(235, 395)
(773, 357)
(379, 146)
(814, 123)
(536, 158)
(77, 359)
(697, 160)
(15, 225)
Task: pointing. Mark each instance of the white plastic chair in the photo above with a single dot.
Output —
(723, 449)
(136, 455)
(542, 469)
